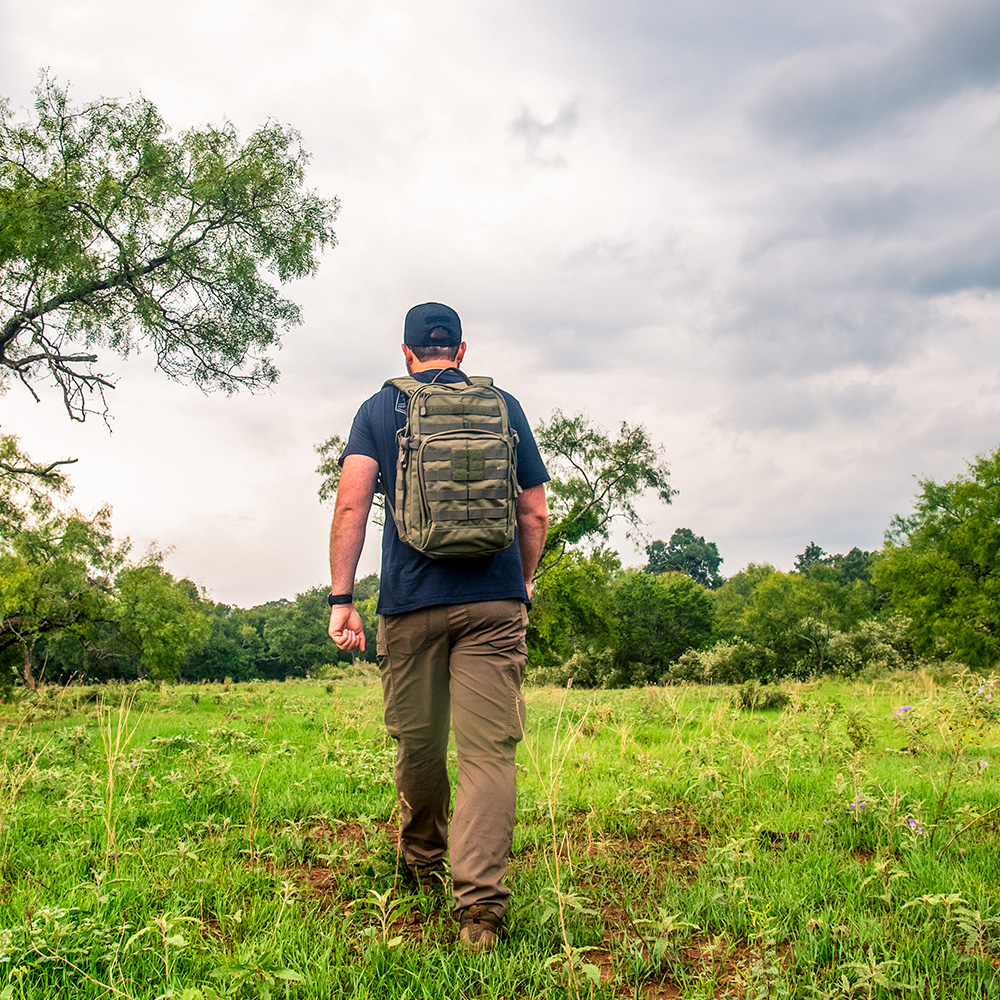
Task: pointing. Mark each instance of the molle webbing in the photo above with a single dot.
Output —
(459, 409)
(466, 515)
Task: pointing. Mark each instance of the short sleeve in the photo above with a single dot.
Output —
(531, 469)
(361, 440)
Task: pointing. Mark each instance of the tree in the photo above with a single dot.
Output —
(686, 553)
(295, 633)
(788, 617)
(233, 647)
(68, 596)
(813, 555)
(54, 576)
(658, 619)
(572, 618)
(158, 619)
(366, 601)
(735, 596)
(596, 479)
(329, 467)
(941, 565)
(115, 234)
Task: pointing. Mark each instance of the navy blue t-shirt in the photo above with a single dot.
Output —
(410, 580)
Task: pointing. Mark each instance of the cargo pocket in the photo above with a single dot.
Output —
(519, 712)
(511, 649)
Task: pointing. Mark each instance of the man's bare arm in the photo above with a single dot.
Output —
(347, 537)
(532, 527)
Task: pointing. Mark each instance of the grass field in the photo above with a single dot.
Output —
(239, 841)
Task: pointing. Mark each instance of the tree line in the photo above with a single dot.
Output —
(75, 606)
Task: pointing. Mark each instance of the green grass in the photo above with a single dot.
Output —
(239, 841)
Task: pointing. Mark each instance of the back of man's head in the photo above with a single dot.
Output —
(433, 331)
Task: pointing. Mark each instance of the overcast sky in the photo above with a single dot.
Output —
(770, 231)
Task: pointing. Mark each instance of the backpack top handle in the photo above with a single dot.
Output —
(440, 371)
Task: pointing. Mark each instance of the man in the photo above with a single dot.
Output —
(451, 643)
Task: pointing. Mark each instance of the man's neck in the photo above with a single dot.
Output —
(424, 366)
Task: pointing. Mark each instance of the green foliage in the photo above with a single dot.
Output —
(658, 618)
(812, 556)
(159, 620)
(278, 639)
(873, 646)
(735, 596)
(725, 662)
(72, 606)
(752, 696)
(941, 565)
(796, 617)
(54, 577)
(366, 601)
(233, 648)
(329, 467)
(571, 614)
(602, 626)
(686, 553)
(596, 479)
(116, 234)
(27, 490)
(295, 633)
(788, 618)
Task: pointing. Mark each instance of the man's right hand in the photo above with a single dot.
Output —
(346, 628)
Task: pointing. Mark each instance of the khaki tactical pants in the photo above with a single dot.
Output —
(460, 663)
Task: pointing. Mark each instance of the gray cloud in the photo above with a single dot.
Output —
(825, 98)
(691, 51)
(859, 209)
(800, 406)
(539, 136)
(970, 262)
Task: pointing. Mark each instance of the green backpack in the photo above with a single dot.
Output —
(456, 472)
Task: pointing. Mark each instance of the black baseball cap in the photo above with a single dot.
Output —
(420, 320)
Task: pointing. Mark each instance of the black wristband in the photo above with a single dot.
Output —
(334, 599)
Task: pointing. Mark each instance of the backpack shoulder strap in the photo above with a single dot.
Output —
(406, 384)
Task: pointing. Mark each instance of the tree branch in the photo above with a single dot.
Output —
(41, 472)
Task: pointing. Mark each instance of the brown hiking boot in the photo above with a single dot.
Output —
(480, 928)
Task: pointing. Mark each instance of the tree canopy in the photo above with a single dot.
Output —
(54, 576)
(941, 565)
(115, 234)
(596, 479)
(686, 553)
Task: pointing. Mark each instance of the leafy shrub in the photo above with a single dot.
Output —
(591, 667)
(725, 663)
(753, 696)
(874, 645)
